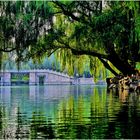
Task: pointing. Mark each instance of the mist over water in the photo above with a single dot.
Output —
(68, 111)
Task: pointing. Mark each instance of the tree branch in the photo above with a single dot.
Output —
(108, 66)
(82, 51)
(103, 21)
(86, 52)
(69, 13)
(7, 50)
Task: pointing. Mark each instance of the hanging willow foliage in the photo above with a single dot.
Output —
(77, 31)
(65, 34)
(22, 23)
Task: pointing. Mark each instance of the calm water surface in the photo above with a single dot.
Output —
(75, 112)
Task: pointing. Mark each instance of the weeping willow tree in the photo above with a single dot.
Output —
(79, 32)
(22, 23)
(110, 34)
(65, 42)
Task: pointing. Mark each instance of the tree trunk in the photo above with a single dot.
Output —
(123, 66)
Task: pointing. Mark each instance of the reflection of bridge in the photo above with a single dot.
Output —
(36, 77)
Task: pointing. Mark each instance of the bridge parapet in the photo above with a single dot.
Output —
(44, 76)
(37, 71)
(35, 76)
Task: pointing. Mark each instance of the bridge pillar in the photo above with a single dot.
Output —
(32, 78)
(6, 79)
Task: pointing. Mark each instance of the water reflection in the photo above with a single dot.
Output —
(41, 127)
(75, 112)
(21, 129)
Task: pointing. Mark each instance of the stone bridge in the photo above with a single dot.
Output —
(37, 77)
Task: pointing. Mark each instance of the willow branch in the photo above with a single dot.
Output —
(99, 25)
(7, 50)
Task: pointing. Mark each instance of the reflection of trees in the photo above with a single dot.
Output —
(21, 128)
(104, 108)
(40, 127)
(108, 116)
(126, 125)
(1, 121)
(99, 115)
(0, 118)
(72, 122)
(127, 117)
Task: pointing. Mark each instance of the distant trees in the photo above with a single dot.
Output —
(48, 63)
(79, 32)
(21, 25)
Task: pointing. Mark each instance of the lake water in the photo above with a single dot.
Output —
(68, 112)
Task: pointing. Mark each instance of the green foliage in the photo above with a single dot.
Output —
(76, 31)
(16, 77)
(138, 66)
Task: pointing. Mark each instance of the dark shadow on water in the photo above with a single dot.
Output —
(126, 125)
(40, 127)
(22, 125)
